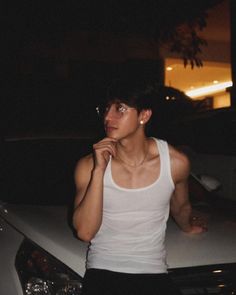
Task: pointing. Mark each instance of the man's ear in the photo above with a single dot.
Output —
(145, 116)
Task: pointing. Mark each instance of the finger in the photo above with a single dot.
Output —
(101, 146)
(106, 155)
(108, 139)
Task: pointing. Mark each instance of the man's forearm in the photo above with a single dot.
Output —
(182, 217)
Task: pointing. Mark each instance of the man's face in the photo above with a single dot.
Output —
(120, 120)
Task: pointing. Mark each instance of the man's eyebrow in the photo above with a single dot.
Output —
(115, 101)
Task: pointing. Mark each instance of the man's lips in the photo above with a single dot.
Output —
(110, 128)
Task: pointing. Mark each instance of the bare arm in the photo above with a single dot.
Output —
(89, 173)
(180, 206)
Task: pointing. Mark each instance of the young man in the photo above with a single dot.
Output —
(124, 192)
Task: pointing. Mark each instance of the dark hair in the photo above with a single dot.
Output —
(135, 92)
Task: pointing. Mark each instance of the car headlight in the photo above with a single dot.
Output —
(212, 279)
(42, 274)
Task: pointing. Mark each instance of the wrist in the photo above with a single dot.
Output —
(187, 228)
(98, 171)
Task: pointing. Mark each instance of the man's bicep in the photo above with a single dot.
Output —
(180, 195)
(82, 177)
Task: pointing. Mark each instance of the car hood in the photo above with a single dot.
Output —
(215, 246)
(50, 228)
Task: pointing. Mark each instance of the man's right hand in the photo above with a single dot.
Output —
(103, 150)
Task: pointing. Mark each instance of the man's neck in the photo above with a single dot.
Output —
(132, 150)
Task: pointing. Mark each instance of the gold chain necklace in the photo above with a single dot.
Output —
(134, 165)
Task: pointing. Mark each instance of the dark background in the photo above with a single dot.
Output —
(50, 88)
(52, 81)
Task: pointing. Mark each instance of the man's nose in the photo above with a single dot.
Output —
(110, 113)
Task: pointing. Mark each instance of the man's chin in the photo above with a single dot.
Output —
(113, 136)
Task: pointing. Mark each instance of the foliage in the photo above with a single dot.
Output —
(172, 23)
(175, 24)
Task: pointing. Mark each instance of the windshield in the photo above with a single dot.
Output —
(40, 170)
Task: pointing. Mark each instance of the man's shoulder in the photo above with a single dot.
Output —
(180, 163)
(86, 158)
(177, 153)
(85, 162)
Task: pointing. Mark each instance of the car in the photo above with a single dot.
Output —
(40, 252)
(209, 131)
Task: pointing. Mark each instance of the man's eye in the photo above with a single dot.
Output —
(120, 108)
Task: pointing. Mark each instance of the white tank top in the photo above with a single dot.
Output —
(131, 237)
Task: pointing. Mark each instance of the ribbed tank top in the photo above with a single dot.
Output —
(132, 234)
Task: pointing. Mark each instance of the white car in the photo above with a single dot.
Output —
(40, 253)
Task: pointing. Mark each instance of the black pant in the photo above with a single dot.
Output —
(104, 282)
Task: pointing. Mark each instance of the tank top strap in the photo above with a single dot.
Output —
(108, 174)
(163, 149)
